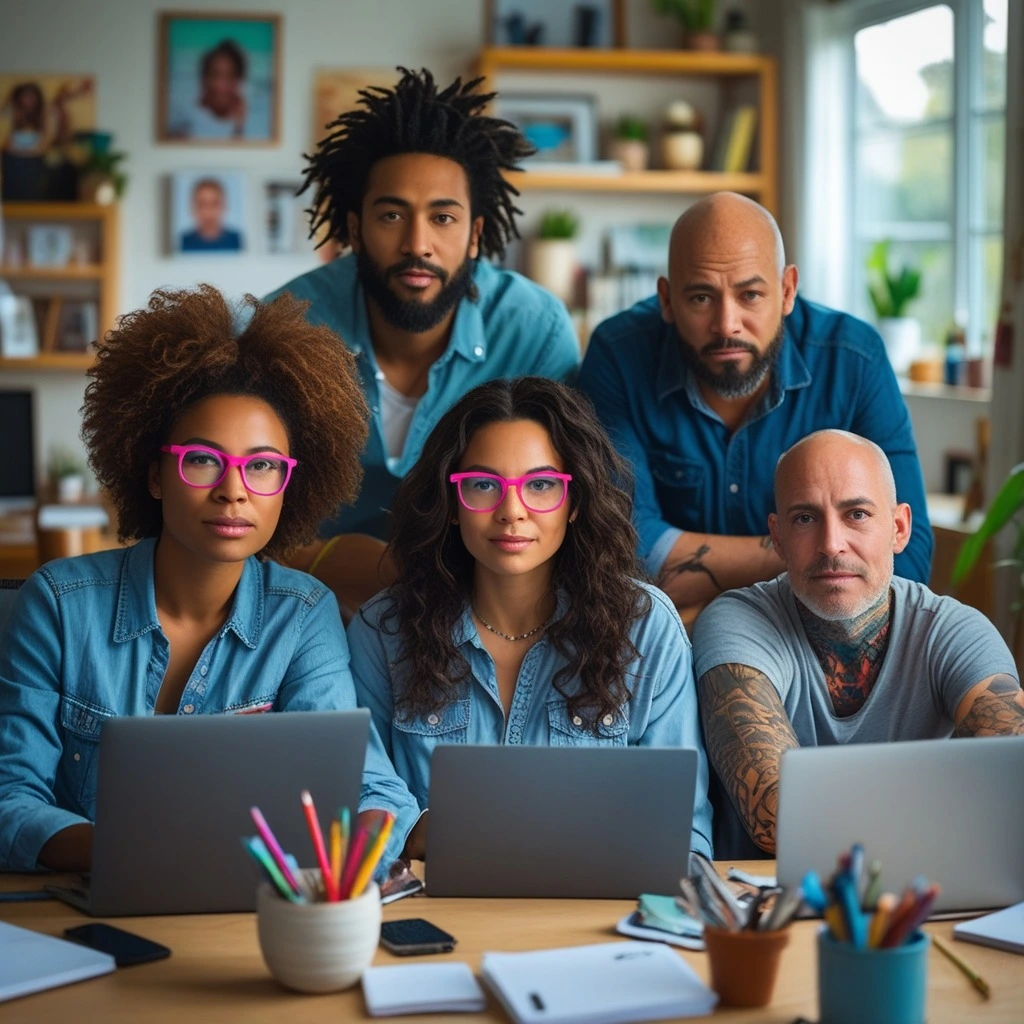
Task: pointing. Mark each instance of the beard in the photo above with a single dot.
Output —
(728, 381)
(411, 315)
(834, 605)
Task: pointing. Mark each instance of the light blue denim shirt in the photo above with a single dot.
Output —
(84, 643)
(661, 713)
(514, 328)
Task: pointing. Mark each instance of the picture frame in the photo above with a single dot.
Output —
(219, 79)
(555, 23)
(19, 335)
(49, 245)
(77, 326)
(285, 218)
(563, 128)
(207, 215)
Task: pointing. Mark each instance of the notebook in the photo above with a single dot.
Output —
(31, 962)
(1002, 930)
(422, 988)
(611, 983)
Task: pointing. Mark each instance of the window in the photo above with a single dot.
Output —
(928, 120)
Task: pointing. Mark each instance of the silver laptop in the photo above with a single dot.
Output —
(946, 809)
(559, 822)
(173, 802)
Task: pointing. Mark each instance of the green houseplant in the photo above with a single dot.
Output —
(891, 292)
(629, 145)
(551, 255)
(697, 18)
(558, 224)
(67, 473)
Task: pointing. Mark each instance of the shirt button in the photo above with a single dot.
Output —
(432, 719)
(202, 671)
(374, 408)
(576, 720)
(478, 350)
(733, 488)
(607, 719)
(379, 375)
(188, 709)
(78, 757)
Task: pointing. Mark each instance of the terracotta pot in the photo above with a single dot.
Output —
(632, 154)
(702, 41)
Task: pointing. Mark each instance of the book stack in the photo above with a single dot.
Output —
(735, 141)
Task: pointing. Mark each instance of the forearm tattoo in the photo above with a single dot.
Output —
(996, 711)
(693, 563)
(746, 730)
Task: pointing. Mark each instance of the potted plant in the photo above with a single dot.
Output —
(697, 18)
(630, 146)
(67, 474)
(551, 256)
(1006, 508)
(100, 178)
(891, 292)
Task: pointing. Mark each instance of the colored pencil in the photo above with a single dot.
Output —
(317, 836)
(274, 848)
(336, 856)
(372, 858)
(352, 861)
(257, 849)
(969, 972)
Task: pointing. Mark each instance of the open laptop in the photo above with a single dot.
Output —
(173, 802)
(946, 809)
(560, 822)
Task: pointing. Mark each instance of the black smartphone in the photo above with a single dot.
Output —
(412, 936)
(124, 947)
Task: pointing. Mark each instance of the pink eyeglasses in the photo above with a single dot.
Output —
(484, 492)
(265, 473)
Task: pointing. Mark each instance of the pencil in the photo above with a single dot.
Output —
(969, 972)
(318, 844)
(366, 869)
(336, 855)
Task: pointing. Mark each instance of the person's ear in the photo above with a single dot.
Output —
(664, 300)
(474, 237)
(904, 524)
(355, 239)
(154, 480)
(773, 530)
(790, 280)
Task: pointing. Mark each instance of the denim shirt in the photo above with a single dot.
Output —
(513, 328)
(691, 473)
(84, 643)
(661, 713)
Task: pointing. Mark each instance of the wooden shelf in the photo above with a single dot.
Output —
(672, 182)
(667, 62)
(71, 272)
(65, 361)
(57, 211)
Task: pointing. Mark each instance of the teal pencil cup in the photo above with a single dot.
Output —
(883, 986)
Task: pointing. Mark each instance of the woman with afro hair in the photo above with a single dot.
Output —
(221, 448)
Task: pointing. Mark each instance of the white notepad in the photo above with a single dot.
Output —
(422, 988)
(31, 962)
(612, 983)
(1002, 930)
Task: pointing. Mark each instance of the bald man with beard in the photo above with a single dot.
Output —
(706, 384)
(838, 649)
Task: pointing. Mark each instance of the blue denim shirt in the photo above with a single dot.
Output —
(513, 329)
(84, 643)
(692, 474)
(661, 713)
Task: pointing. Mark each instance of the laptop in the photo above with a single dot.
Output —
(173, 802)
(559, 822)
(946, 809)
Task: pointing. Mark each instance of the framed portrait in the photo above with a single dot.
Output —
(561, 23)
(285, 218)
(39, 116)
(49, 245)
(220, 79)
(19, 337)
(77, 326)
(563, 129)
(207, 214)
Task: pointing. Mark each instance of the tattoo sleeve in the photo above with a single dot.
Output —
(693, 563)
(747, 730)
(997, 711)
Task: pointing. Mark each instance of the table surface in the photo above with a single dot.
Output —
(215, 972)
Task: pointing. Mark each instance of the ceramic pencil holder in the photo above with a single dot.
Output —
(744, 964)
(318, 947)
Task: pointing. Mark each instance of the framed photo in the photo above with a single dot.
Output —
(19, 336)
(207, 213)
(49, 245)
(287, 223)
(562, 128)
(77, 326)
(562, 23)
(220, 79)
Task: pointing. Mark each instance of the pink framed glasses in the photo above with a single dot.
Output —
(265, 473)
(484, 492)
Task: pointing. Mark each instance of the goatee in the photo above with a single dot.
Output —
(730, 382)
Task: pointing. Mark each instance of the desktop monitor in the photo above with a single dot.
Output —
(18, 480)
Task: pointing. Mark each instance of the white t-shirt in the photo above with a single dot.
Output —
(396, 412)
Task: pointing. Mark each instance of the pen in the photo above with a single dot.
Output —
(370, 861)
(786, 906)
(814, 895)
(857, 870)
(880, 921)
(846, 895)
(909, 923)
(834, 920)
(874, 885)
(318, 844)
(273, 847)
(969, 972)
(258, 851)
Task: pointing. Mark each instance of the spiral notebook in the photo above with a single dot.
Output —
(1002, 930)
(31, 962)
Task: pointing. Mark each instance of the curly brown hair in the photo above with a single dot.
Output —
(596, 567)
(186, 346)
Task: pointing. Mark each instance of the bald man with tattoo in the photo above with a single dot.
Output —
(837, 649)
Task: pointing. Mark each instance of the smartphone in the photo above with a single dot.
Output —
(124, 947)
(413, 936)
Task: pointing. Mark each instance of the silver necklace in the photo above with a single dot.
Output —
(505, 636)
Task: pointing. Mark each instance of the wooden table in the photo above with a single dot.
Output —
(215, 972)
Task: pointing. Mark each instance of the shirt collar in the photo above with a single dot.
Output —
(136, 599)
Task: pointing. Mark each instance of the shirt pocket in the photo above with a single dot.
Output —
(679, 484)
(253, 706)
(81, 723)
(419, 736)
(565, 730)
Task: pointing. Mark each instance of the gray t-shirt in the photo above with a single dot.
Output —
(938, 649)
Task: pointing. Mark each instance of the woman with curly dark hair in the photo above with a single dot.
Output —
(517, 616)
(221, 446)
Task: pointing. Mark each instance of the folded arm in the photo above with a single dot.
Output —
(746, 731)
(994, 707)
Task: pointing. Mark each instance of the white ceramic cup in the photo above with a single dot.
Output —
(318, 947)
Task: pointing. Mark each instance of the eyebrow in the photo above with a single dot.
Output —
(219, 447)
(434, 204)
(494, 472)
(705, 286)
(844, 504)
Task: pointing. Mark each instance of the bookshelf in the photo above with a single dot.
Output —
(93, 281)
(726, 68)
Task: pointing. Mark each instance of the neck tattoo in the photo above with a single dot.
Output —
(506, 636)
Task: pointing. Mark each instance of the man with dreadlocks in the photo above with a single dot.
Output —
(412, 180)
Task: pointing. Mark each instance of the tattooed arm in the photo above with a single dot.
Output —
(994, 707)
(701, 565)
(746, 732)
